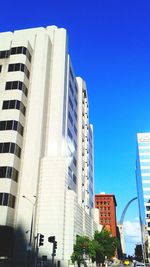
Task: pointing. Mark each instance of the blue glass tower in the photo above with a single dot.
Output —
(143, 186)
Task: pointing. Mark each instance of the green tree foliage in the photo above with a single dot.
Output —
(80, 248)
(102, 245)
(108, 243)
(98, 254)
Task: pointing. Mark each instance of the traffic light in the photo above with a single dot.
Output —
(55, 244)
(54, 248)
(51, 239)
(41, 240)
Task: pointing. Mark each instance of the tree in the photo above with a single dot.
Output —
(102, 245)
(108, 243)
(97, 248)
(80, 248)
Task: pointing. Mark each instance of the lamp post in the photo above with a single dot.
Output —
(31, 225)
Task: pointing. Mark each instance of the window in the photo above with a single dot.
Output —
(71, 74)
(19, 67)
(6, 147)
(0, 68)
(74, 178)
(4, 54)
(70, 102)
(7, 200)
(75, 129)
(75, 114)
(11, 201)
(70, 134)
(3, 172)
(71, 88)
(75, 100)
(14, 104)
(11, 125)
(75, 145)
(76, 89)
(74, 161)
(14, 174)
(1, 198)
(21, 50)
(70, 118)
(14, 85)
(10, 148)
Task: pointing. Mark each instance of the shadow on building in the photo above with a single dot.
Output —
(15, 252)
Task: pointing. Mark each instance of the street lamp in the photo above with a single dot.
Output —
(31, 225)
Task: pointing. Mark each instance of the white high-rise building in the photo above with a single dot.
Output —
(46, 145)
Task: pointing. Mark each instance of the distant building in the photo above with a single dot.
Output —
(120, 235)
(143, 186)
(46, 145)
(106, 203)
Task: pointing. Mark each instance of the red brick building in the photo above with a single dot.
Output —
(106, 203)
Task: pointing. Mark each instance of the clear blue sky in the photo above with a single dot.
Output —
(109, 43)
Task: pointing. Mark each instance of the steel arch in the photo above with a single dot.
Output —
(125, 209)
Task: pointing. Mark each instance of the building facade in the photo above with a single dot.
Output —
(46, 145)
(143, 187)
(106, 203)
(120, 235)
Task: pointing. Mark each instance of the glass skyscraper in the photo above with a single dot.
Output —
(143, 186)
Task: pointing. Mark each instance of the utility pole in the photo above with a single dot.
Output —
(36, 249)
(39, 242)
(29, 247)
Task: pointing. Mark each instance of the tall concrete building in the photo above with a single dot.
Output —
(143, 187)
(46, 145)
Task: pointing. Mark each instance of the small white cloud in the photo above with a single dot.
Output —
(132, 230)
